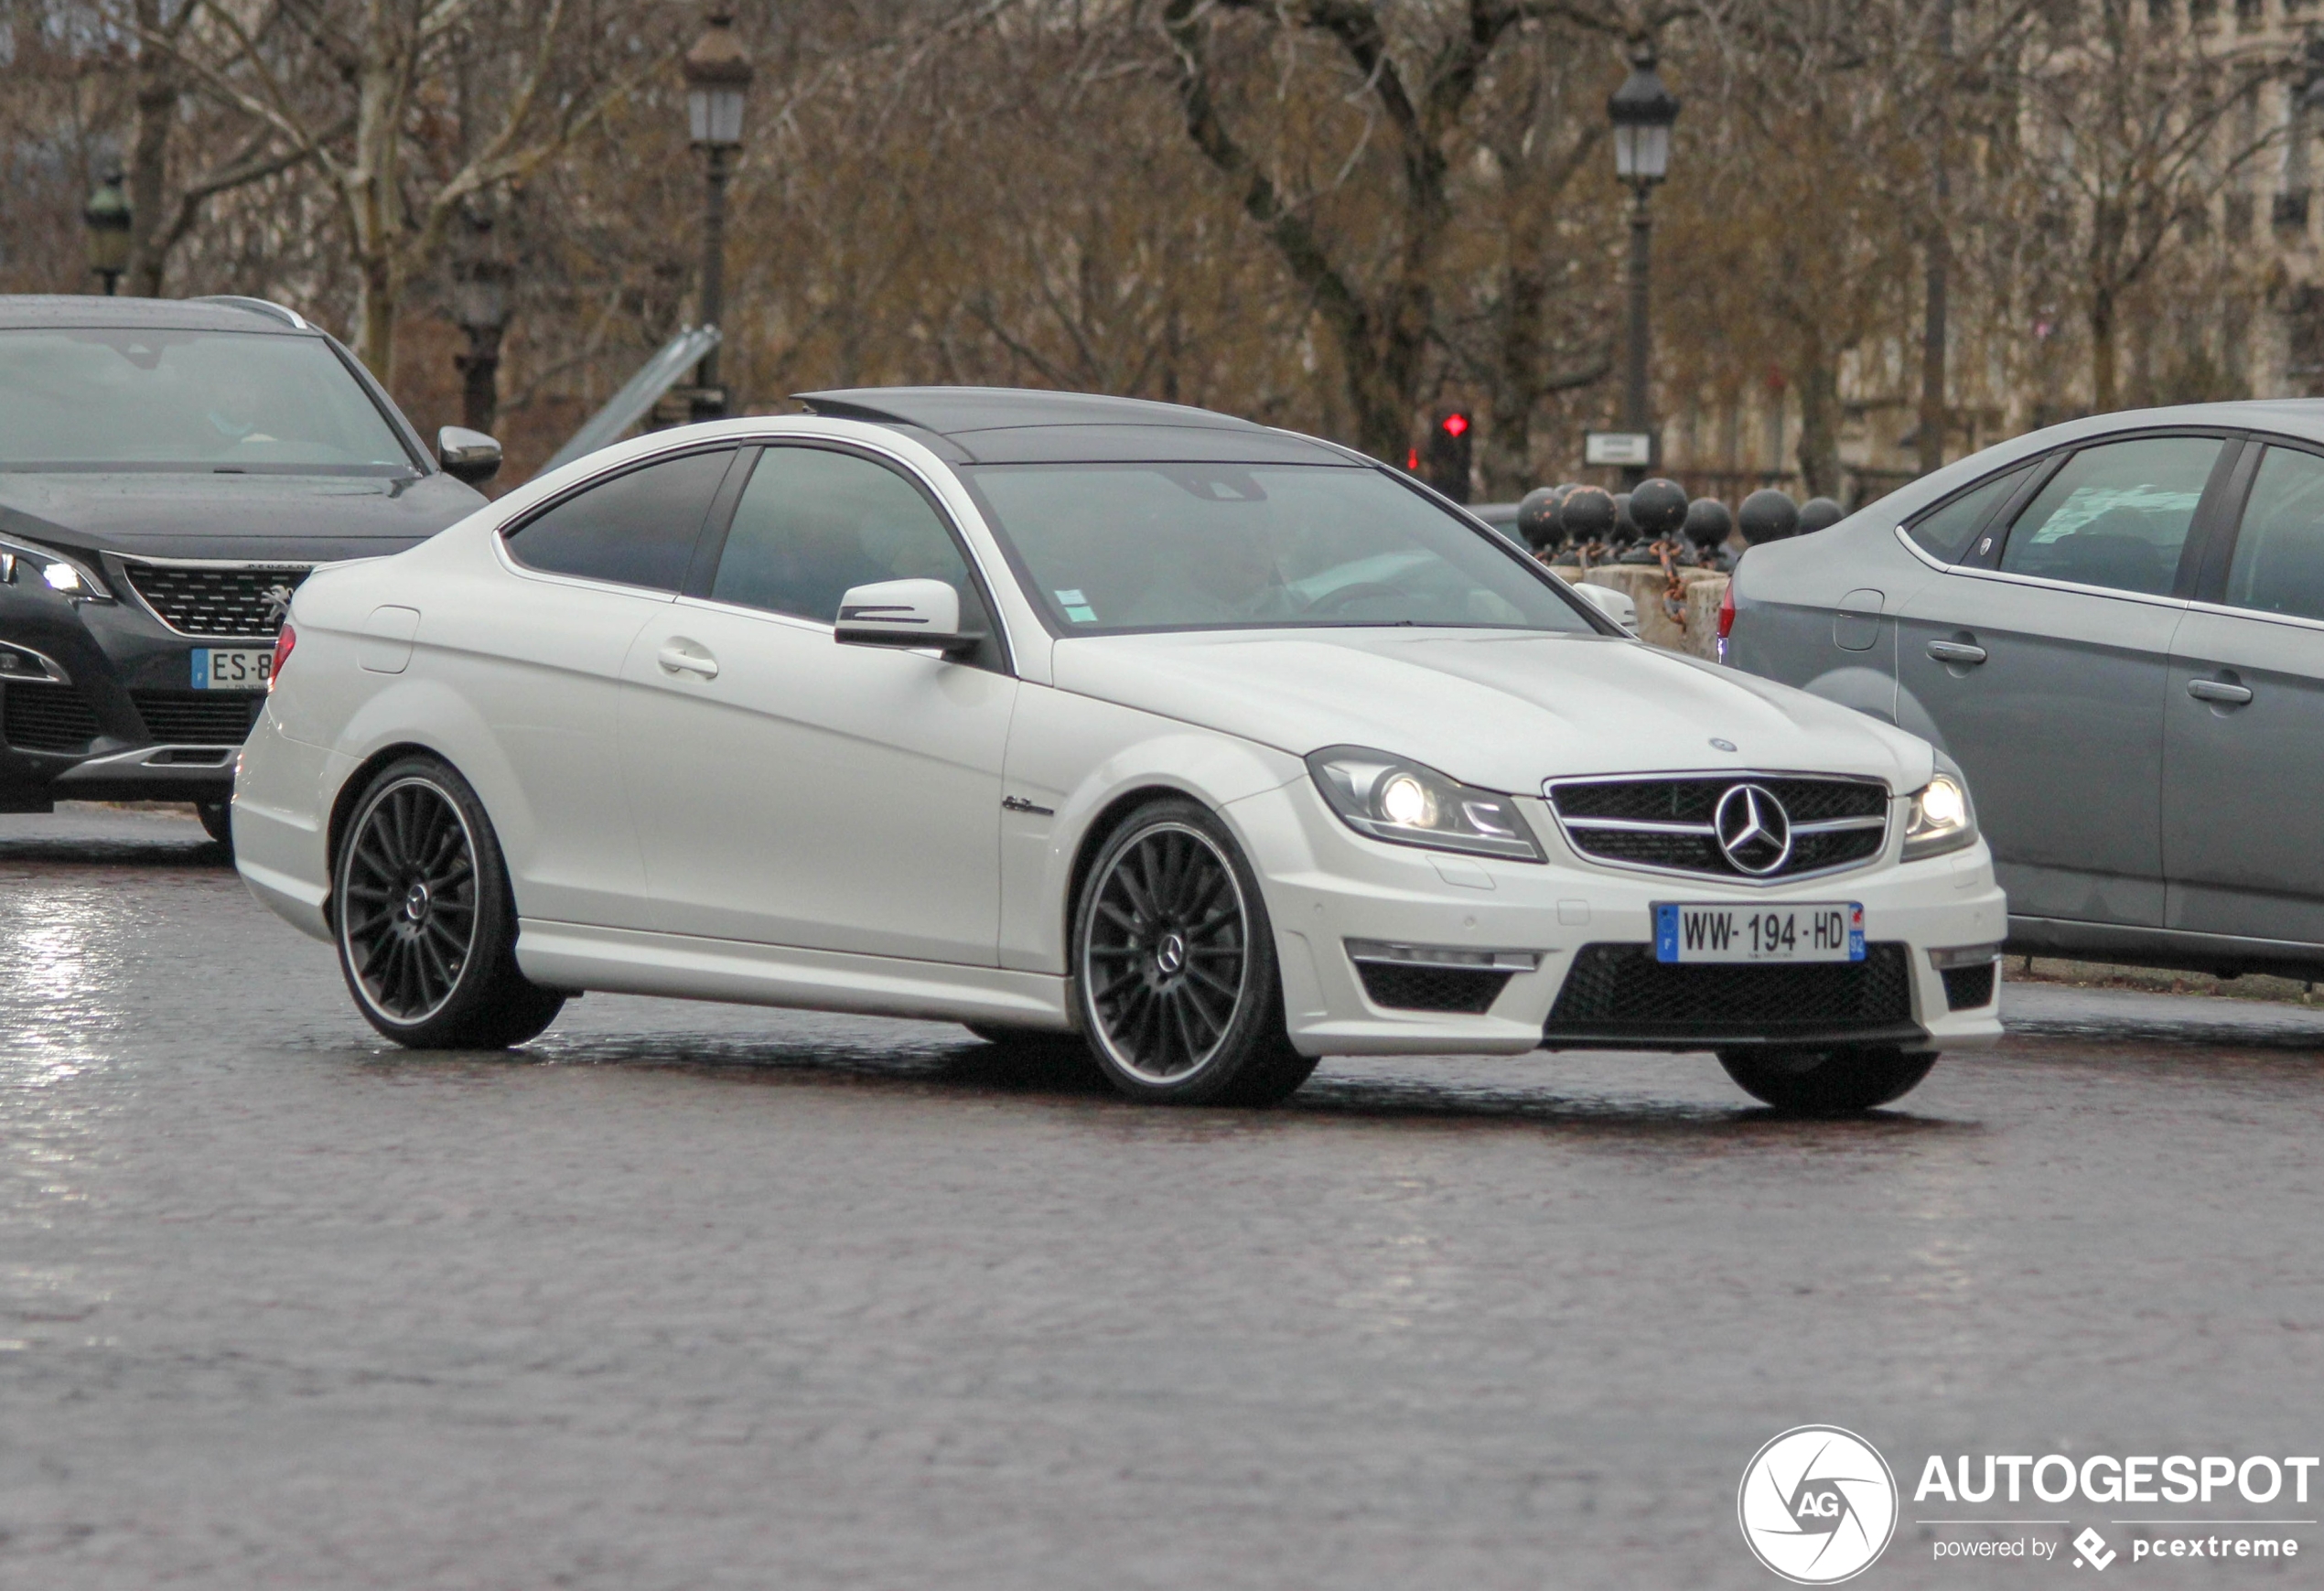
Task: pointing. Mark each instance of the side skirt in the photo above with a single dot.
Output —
(564, 955)
(2221, 954)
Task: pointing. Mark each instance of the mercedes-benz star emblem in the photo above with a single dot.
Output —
(1754, 830)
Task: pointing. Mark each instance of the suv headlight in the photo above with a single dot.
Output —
(23, 561)
(1942, 818)
(1389, 797)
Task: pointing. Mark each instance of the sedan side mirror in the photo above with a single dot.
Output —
(467, 455)
(1615, 605)
(905, 614)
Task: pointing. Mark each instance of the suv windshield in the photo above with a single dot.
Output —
(1113, 547)
(77, 399)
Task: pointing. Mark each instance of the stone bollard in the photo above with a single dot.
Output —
(1703, 599)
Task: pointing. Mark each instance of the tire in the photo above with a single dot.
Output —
(425, 918)
(1827, 1082)
(217, 821)
(1175, 969)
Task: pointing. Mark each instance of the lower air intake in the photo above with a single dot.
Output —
(1620, 994)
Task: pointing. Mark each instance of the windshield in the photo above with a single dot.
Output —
(77, 399)
(1112, 547)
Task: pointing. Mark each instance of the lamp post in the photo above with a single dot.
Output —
(1642, 111)
(106, 216)
(480, 304)
(718, 76)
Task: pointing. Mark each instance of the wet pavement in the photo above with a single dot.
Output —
(688, 1296)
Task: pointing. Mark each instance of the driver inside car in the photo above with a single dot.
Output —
(1208, 573)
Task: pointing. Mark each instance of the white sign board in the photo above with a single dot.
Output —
(1618, 448)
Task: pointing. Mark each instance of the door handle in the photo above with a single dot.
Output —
(1957, 651)
(2219, 691)
(686, 658)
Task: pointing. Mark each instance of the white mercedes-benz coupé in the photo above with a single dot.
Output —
(1088, 721)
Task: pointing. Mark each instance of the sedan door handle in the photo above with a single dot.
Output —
(2219, 691)
(1957, 651)
(684, 657)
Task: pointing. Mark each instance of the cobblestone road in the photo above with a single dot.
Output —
(685, 1295)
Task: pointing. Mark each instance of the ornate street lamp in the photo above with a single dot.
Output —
(717, 77)
(106, 215)
(1642, 111)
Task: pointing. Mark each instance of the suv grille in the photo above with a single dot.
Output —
(215, 601)
(1667, 823)
(199, 718)
(1618, 992)
(46, 718)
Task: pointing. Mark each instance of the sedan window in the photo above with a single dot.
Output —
(2114, 515)
(637, 529)
(1214, 546)
(814, 522)
(2279, 553)
(1945, 533)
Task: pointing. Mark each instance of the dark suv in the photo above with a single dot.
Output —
(169, 472)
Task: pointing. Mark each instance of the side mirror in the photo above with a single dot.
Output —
(1615, 605)
(467, 455)
(905, 614)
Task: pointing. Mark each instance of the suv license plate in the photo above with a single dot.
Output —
(232, 668)
(1829, 931)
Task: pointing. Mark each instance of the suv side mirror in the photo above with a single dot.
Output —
(1615, 605)
(905, 614)
(467, 455)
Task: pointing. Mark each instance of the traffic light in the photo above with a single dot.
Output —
(1448, 454)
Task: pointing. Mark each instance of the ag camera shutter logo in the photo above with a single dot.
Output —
(1818, 1505)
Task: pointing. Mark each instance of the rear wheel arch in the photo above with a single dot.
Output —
(350, 795)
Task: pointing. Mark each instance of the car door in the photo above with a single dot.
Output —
(539, 657)
(2244, 714)
(2038, 662)
(790, 790)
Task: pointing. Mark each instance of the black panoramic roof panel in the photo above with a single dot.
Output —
(951, 411)
(1142, 444)
(30, 312)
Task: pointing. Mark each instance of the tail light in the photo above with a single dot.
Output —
(1727, 616)
(289, 639)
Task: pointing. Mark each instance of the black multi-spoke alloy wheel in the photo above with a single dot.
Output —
(1828, 1082)
(1175, 968)
(426, 922)
(216, 821)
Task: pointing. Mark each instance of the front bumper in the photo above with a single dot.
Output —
(1326, 886)
(99, 706)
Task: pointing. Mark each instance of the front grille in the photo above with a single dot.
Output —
(199, 718)
(1620, 992)
(217, 600)
(1667, 823)
(1404, 986)
(1966, 988)
(46, 718)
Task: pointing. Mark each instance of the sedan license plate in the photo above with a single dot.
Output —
(232, 668)
(1828, 931)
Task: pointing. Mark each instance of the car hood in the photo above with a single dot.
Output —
(166, 515)
(1491, 708)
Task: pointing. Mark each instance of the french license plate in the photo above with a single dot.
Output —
(232, 668)
(1825, 931)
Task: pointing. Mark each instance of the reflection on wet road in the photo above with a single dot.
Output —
(688, 1294)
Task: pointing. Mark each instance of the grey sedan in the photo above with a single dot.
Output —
(2116, 627)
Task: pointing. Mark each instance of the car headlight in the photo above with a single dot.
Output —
(1391, 798)
(1942, 819)
(23, 561)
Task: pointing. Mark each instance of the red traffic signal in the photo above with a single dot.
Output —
(1456, 424)
(1447, 463)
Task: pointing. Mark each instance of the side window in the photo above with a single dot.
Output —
(1945, 532)
(637, 529)
(814, 522)
(2279, 553)
(2115, 515)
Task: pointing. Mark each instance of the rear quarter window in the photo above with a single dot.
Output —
(1945, 531)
